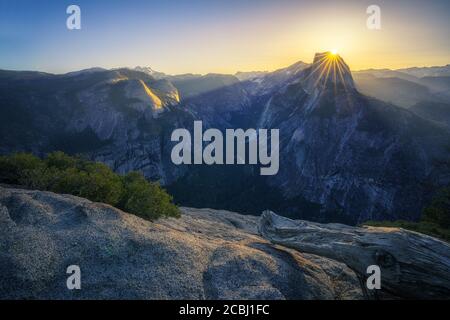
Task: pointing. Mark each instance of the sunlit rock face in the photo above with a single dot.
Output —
(113, 116)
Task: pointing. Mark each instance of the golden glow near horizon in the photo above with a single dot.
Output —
(292, 41)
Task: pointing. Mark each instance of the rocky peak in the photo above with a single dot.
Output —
(151, 72)
(328, 70)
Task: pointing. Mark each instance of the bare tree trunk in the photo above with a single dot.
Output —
(412, 265)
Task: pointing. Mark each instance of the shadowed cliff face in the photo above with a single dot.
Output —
(343, 156)
(350, 153)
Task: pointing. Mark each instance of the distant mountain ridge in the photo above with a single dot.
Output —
(406, 87)
(403, 87)
(437, 71)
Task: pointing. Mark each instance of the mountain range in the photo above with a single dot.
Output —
(368, 145)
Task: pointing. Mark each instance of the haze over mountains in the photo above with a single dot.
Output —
(349, 148)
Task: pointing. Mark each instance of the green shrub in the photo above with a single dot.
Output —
(61, 161)
(95, 181)
(435, 218)
(21, 169)
(439, 210)
(146, 199)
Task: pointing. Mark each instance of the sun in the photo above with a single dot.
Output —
(334, 52)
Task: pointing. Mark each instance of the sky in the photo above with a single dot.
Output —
(203, 36)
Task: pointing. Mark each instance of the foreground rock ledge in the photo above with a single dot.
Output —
(206, 254)
(412, 265)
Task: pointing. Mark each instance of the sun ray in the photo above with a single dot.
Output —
(327, 69)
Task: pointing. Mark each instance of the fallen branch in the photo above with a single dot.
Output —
(412, 265)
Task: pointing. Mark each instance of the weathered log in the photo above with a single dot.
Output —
(412, 265)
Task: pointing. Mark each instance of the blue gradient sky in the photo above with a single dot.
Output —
(220, 36)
